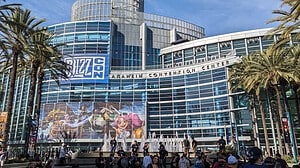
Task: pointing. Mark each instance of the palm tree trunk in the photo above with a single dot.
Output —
(32, 93)
(277, 125)
(38, 99)
(280, 111)
(254, 121)
(10, 99)
(263, 119)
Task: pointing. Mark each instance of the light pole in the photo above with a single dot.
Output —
(290, 125)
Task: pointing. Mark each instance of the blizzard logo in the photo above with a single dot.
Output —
(88, 67)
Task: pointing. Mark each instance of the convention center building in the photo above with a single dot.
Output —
(139, 76)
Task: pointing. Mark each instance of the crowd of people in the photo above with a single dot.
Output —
(189, 158)
(186, 159)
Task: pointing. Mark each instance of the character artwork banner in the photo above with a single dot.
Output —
(91, 120)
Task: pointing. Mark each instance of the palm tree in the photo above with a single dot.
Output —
(289, 19)
(245, 77)
(43, 57)
(273, 69)
(19, 26)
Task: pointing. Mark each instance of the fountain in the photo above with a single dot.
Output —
(172, 144)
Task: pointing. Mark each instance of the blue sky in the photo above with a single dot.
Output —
(216, 16)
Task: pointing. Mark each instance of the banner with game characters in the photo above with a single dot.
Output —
(91, 120)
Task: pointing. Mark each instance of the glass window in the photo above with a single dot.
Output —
(267, 41)
(212, 50)
(165, 95)
(152, 83)
(178, 81)
(165, 82)
(205, 77)
(206, 91)
(192, 93)
(179, 94)
(70, 27)
(80, 27)
(220, 88)
(92, 26)
(219, 74)
(221, 103)
(59, 29)
(191, 79)
(80, 37)
(239, 46)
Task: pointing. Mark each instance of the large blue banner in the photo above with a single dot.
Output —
(88, 69)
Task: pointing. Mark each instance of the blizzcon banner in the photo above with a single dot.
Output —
(88, 69)
(91, 120)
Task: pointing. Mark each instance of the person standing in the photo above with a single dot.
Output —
(232, 162)
(146, 149)
(221, 161)
(194, 146)
(62, 154)
(100, 161)
(279, 162)
(120, 151)
(199, 162)
(3, 156)
(163, 153)
(184, 162)
(221, 144)
(175, 160)
(113, 145)
(255, 158)
(186, 146)
(147, 160)
(134, 148)
(155, 162)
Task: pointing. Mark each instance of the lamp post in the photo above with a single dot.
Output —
(290, 126)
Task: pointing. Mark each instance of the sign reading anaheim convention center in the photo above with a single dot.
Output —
(174, 71)
(88, 69)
